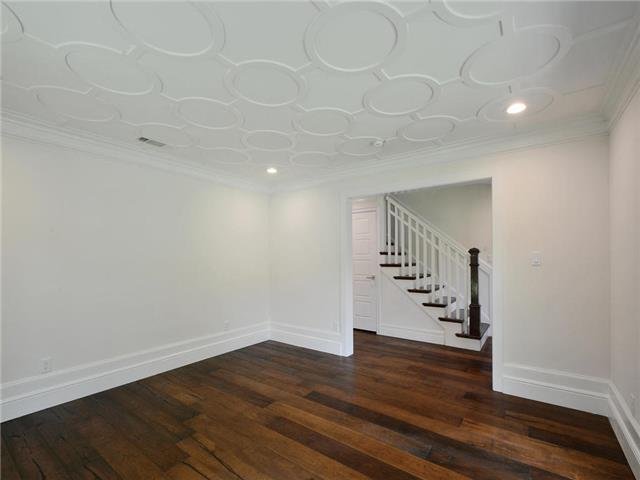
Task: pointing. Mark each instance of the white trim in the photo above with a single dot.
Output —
(580, 392)
(625, 81)
(551, 134)
(626, 428)
(27, 129)
(418, 334)
(32, 394)
(321, 340)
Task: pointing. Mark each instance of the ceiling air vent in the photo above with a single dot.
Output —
(148, 141)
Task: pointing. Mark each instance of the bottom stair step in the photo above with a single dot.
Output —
(483, 329)
(442, 302)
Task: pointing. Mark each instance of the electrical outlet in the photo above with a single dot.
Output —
(335, 326)
(226, 325)
(45, 365)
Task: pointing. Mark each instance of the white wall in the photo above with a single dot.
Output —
(553, 199)
(625, 264)
(114, 263)
(461, 211)
(304, 254)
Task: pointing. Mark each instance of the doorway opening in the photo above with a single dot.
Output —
(421, 263)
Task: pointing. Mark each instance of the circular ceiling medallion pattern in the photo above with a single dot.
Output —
(157, 25)
(401, 95)
(463, 14)
(311, 159)
(225, 156)
(268, 140)
(172, 136)
(74, 104)
(109, 70)
(331, 40)
(427, 129)
(207, 113)
(511, 57)
(361, 146)
(536, 100)
(266, 83)
(324, 122)
(11, 25)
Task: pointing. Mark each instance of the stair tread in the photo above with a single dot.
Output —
(450, 319)
(483, 329)
(442, 302)
(422, 290)
(396, 264)
(408, 277)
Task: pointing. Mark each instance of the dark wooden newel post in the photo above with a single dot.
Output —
(474, 306)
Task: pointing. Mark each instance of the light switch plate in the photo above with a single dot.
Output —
(536, 259)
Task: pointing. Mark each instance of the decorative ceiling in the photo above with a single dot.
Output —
(307, 87)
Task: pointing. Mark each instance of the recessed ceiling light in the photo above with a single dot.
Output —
(272, 170)
(377, 143)
(517, 107)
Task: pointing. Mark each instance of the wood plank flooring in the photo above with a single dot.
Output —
(395, 410)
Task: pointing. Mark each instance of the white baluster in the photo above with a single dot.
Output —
(447, 275)
(430, 262)
(440, 278)
(388, 249)
(425, 256)
(410, 259)
(396, 235)
(403, 248)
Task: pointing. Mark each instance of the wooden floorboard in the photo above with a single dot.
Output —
(396, 409)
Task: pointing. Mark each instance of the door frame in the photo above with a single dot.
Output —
(377, 209)
(498, 240)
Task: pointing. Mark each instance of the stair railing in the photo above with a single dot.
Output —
(439, 266)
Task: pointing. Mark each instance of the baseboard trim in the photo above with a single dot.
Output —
(321, 340)
(580, 392)
(32, 394)
(626, 428)
(408, 333)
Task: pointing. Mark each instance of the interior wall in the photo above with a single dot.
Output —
(304, 255)
(625, 256)
(104, 259)
(551, 199)
(461, 211)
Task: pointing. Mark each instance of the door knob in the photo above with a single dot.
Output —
(371, 277)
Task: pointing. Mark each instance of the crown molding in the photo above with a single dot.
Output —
(551, 134)
(26, 128)
(625, 83)
(15, 125)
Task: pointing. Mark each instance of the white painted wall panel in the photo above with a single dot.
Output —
(625, 255)
(103, 258)
(552, 199)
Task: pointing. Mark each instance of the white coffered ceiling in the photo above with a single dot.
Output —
(308, 87)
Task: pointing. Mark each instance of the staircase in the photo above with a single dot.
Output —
(441, 276)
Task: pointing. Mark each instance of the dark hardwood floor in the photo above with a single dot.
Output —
(395, 410)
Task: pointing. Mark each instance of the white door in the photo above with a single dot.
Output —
(365, 260)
